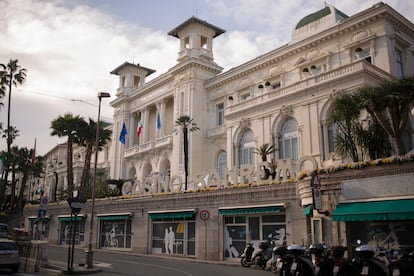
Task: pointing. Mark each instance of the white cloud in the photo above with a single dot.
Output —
(69, 48)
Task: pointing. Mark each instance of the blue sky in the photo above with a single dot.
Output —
(69, 47)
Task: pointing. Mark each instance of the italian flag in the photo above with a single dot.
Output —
(139, 129)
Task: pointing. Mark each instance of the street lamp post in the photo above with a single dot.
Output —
(89, 253)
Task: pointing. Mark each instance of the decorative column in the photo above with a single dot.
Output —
(146, 125)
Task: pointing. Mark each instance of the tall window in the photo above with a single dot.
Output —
(221, 164)
(332, 131)
(288, 141)
(399, 60)
(220, 114)
(246, 150)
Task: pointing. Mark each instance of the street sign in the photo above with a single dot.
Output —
(316, 192)
(315, 181)
(317, 198)
(43, 203)
(204, 214)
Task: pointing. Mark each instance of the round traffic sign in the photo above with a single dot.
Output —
(204, 214)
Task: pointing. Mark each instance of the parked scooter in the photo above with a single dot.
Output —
(401, 264)
(246, 256)
(262, 255)
(279, 262)
(258, 257)
(342, 267)
(367, 264)
(295, 263)
(323, 265)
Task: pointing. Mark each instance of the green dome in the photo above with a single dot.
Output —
(318, 15)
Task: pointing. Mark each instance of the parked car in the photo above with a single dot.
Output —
(4, 230)
(9, 255)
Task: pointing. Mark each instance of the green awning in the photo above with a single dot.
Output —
(77, 218)
(402, 209)
(250, 210)
(114, 217)
(308, 210)
(172, 215)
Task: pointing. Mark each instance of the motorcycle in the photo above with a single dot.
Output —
(257, 257)
(323, 265)
(342, 267)
(278, 262)
(262, 255)
(401, 265)
(295, 263)
(367, 264)
(246, 256)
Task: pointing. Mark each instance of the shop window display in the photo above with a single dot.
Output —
(239, 230)
(115, 233)
(173, 237)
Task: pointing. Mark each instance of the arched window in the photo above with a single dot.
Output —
(221, 164)
(246, 150)
(288, 141)
(332, 132)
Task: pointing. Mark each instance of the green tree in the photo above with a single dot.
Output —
(345, 115)
(389, 103)
(187, 124)
(10, 133)
(264, 150)
(11, 74)
(68, 126)
(28, 166)
(87, 139)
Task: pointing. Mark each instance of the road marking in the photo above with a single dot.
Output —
(159, 266)
(100, 264)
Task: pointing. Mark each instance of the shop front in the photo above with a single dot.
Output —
(115, 231)
(173, 232)
(252, 224)
(386, 224)
(67, 225)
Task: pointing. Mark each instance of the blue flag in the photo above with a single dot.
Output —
(158, 121)
(123, 133)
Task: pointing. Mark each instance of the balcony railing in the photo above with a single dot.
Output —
(163, 142)
(341, 72)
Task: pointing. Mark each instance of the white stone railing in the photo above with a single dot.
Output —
(300, 85)
(159, 143)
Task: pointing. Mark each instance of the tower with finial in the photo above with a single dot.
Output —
(196, 39)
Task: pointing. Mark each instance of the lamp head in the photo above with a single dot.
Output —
(103, 95)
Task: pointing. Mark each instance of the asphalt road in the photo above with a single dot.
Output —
(138, 265)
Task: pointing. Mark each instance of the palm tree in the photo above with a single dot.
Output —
(345, 115)
(87, 139)
(68, 126)
(187, 124)
(11, 75)
(389, 103)
(264, 150)
(10, 133)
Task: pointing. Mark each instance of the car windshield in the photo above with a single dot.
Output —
(8, 246)
(3, 227)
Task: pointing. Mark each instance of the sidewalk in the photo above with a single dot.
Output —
(54, 268)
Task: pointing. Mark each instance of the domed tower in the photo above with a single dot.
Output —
(317, 22)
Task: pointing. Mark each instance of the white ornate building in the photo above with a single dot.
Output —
(283, 97)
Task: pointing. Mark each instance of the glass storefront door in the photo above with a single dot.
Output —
(173, 236)
(115, 232)
(239, 230)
